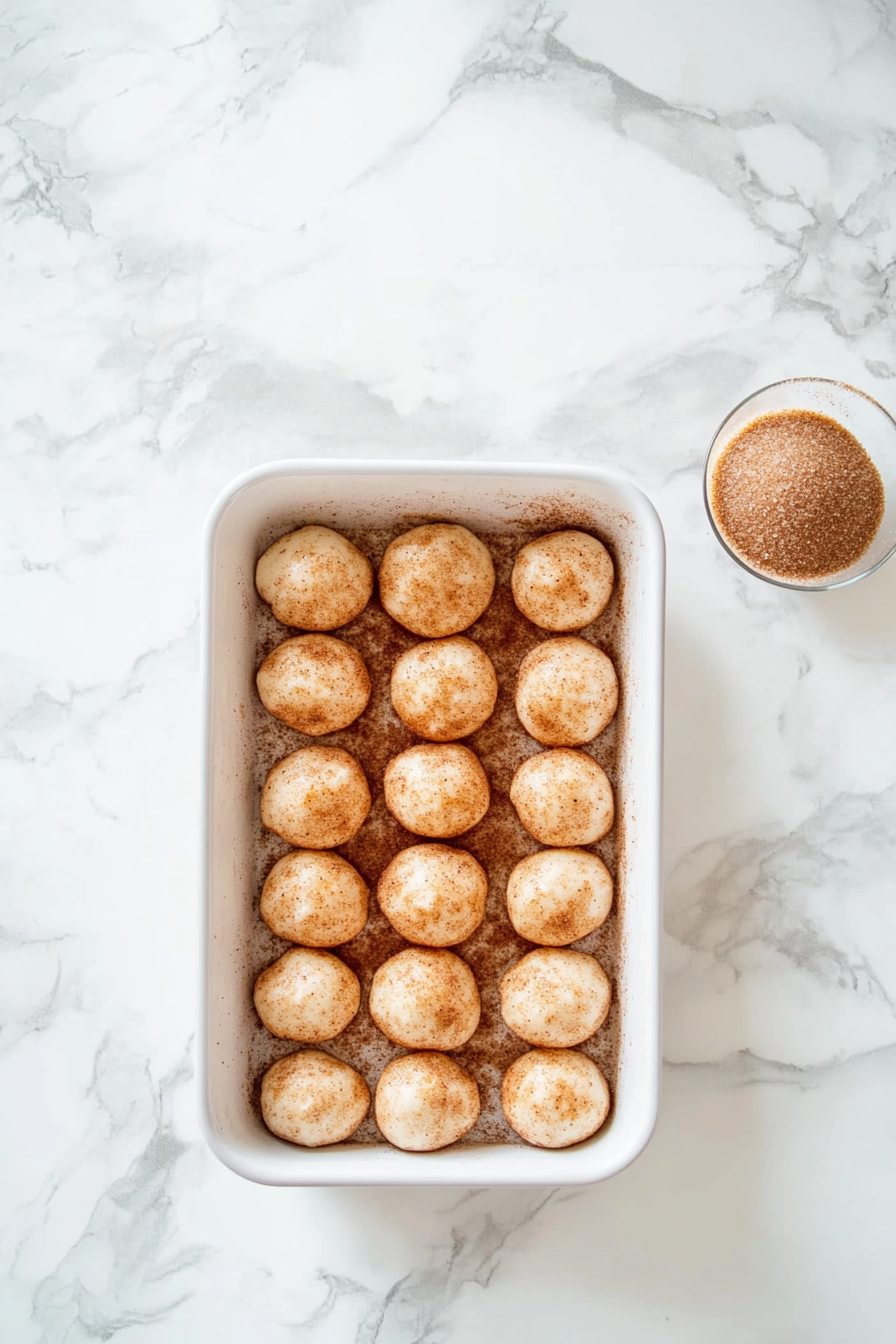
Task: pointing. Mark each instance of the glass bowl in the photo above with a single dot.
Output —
(875, 430)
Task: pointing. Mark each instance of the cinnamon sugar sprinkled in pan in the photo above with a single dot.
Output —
(796, 496)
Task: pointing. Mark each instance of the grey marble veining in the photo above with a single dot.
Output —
(237, 231)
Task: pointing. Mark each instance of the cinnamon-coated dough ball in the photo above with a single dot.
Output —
(444, 689)
(437, 579)
(555, 997)
(314, 898)
(554, 1098)
(312, 1099)
(425, 1101)
(314, 683)
(433, 894)
(563, 798)
(425, 999)
(566, 692)
(307, 995)
(438, 791)
(558, 896)
(316, 798)
(562, 581)
(314, 579)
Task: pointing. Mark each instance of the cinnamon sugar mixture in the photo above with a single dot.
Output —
(498, 841)
(796, 496)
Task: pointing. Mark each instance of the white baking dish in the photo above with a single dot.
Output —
(486, 497)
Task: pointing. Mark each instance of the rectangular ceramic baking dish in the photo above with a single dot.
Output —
(485, 497)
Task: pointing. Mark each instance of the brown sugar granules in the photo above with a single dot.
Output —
(796, 496)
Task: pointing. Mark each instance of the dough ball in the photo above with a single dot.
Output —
(316, 798)
(554, 1098)
(444, 689)
(314, 898)
(425, 999)
(314, 683)
(566, 692)
(434, 895)
(314, 579)
(563, 798)
(307, 995)
(438, 791)
(558, 896)
(312, 1099)
(555, 997)
(562, 581)
(425, 1101)
(437, 579)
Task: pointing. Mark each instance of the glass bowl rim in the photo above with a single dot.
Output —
(828, 584)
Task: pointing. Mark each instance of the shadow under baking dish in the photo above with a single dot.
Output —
(372, 503)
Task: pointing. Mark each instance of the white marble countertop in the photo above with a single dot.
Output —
(576, 233)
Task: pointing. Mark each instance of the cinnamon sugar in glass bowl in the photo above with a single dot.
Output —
(800, 484)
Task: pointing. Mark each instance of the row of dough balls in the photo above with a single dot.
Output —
(566, 691)
(443, 689)
(426, 998)
(318, 797)
(425, 1101)
(434, 895)
(435, 580)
